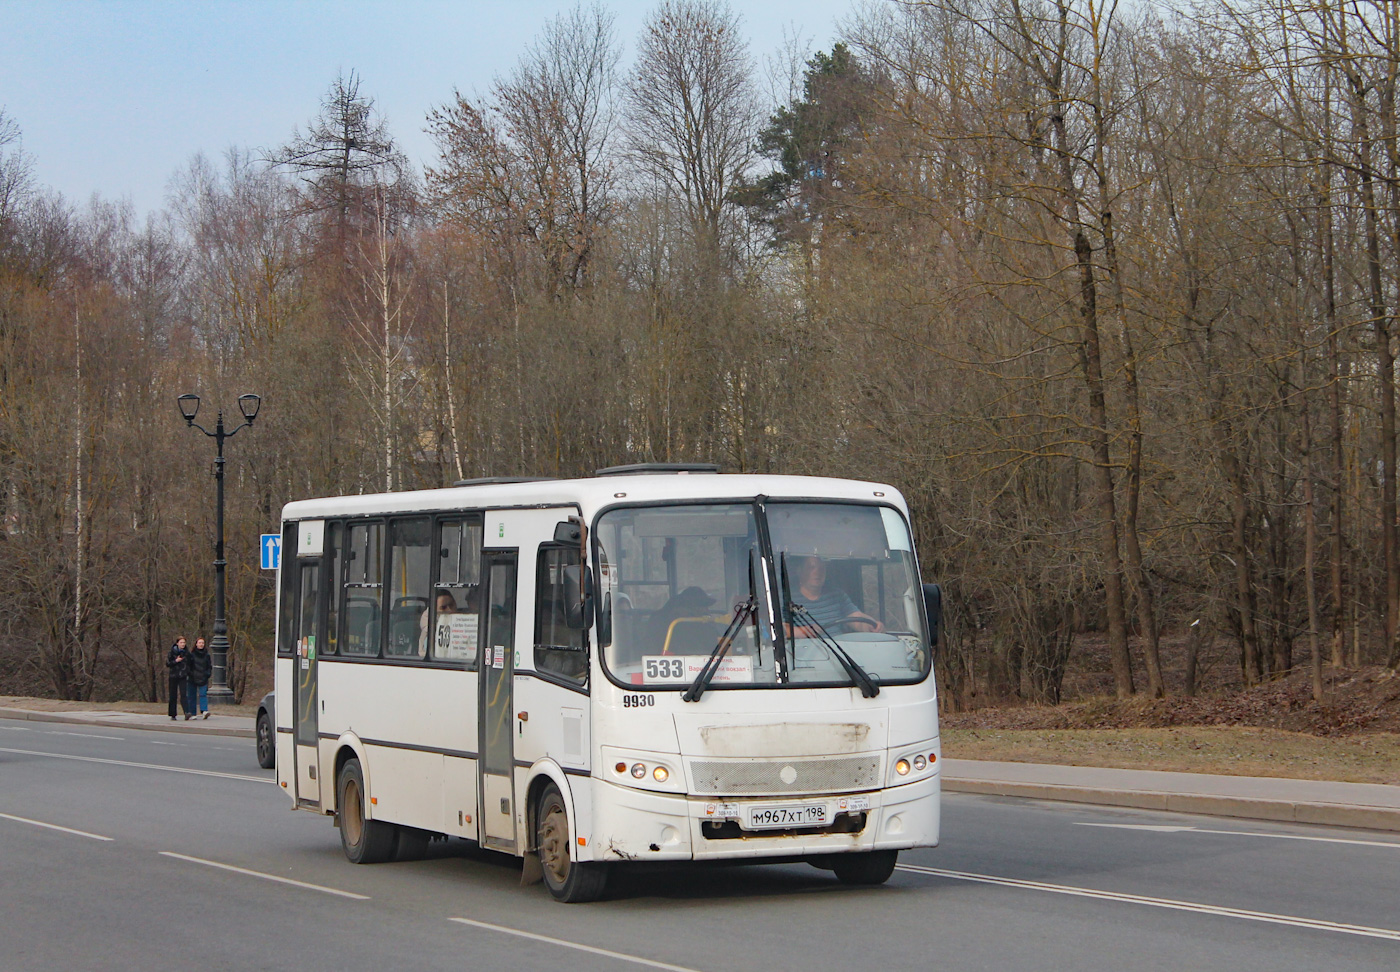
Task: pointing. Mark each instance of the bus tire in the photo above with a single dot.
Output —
(864, 867)
(364, 841)
(267, 744)
(568, 880)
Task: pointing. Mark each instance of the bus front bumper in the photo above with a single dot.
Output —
(637, 825)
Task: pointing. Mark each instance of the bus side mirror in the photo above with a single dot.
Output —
(569, 532)
(605, 621)
(933, 608)
(578, 596)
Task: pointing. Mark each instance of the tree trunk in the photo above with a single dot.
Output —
(1310, 545)
(1193, 652)
(1385, 379)
(1142, 587)
(1334, 401)
(1244, 586)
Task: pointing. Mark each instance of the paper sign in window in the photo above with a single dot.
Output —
(456, 636)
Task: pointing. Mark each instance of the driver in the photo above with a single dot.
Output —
(828, 608)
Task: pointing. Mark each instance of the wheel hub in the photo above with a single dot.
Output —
(554, 845)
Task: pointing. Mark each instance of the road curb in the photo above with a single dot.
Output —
(1284, 811)
(31, 715)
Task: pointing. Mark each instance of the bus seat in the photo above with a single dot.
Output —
(693, 636)
(362, 625)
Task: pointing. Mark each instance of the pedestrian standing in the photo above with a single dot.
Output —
(177, 665)
(197, 680)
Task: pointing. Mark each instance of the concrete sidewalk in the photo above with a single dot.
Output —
(1369, 805)
(215, 725)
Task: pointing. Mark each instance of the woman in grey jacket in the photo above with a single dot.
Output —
(201, 665)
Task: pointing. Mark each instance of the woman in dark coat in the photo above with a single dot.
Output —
(197, 680)
(176, 665)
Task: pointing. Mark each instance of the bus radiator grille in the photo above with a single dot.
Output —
(786, 775)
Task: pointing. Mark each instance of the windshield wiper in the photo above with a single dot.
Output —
(869, 687)
(742, 613)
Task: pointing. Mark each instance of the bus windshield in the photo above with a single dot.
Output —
(671, 579)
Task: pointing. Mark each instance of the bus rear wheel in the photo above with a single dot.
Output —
(267, 746)
(364, 841)
(567, 879)
(864, 867)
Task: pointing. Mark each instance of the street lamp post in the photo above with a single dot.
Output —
(219, 691)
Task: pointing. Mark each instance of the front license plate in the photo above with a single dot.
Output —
(785, 815)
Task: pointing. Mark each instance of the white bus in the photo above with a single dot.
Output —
(660, 663)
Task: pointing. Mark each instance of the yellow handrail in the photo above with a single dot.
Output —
(704, 619)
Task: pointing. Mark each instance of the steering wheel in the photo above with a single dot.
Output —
(857, 619)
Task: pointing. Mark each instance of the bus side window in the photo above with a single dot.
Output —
(456, 603)
(363, 590)
(335, 564)
(286, 624)
(409, 574)
(559, 649)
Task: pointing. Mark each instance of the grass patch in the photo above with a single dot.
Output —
(1231, 750)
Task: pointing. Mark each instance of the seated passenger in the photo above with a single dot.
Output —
(692, 602)
(446, 604)
(827, 608)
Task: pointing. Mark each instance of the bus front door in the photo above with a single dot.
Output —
(306, 723)
(497, 683)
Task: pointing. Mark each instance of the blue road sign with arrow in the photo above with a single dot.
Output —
(271, 548)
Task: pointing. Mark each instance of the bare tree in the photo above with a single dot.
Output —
(692, 109)
(346, 150)
(533, 162)
(16, 173)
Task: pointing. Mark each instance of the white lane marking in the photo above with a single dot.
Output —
(61, 732)
(266, 877)
(1315, 924)
(1152, 828)
(84, 735)
(66, 830)
(1392, 844)
(153, 766)
(622, 956)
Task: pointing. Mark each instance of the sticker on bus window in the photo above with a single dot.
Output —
(683, 669)
(456, 636)
(498, 659)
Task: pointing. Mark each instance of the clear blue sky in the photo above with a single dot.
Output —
(113, 96)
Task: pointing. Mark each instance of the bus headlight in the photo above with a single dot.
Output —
(912, 764)
(644, 771)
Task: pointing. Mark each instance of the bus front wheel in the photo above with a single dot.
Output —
(568, 880)
(364, 841)
(864, 867)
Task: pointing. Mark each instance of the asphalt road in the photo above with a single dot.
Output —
(173, 843)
